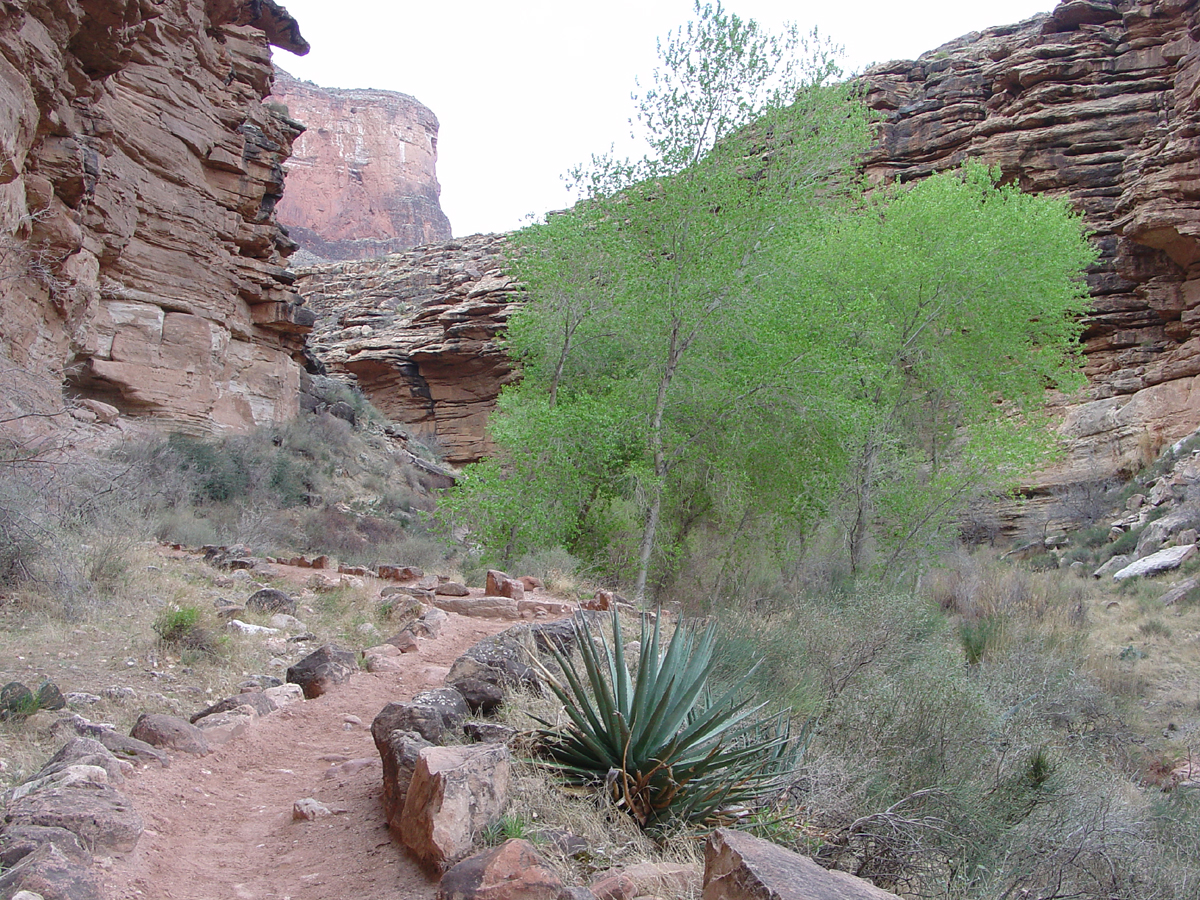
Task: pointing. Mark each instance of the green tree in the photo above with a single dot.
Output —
(956, 303)
(725, 336)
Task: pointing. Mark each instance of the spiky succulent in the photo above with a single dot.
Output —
(656, 740)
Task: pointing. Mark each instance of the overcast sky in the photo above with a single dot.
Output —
(525, 89)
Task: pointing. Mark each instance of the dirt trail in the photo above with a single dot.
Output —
(221, 826)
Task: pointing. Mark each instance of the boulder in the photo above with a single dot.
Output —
(430, 713)
(512, 871)
(431, 622)
(322, 669)
(739, 866)
(483, 697)
(1113, 564)
(480, 607)
(399, 752)
(531, 582)
(18, 841)
(455, 793)
(63, 778)
(284, 694)
(1180, 591)
(171, 732)
(502, 659)
(1162, 561)
(501, 585)
(48, 873)
(220, 728)
(270, 600)
(451, 589)
(86, 751)
(99, 815)
(48, 696)
(16, 701)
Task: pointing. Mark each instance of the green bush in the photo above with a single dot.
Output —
(657, 742)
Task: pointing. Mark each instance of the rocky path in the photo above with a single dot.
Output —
(221, 826)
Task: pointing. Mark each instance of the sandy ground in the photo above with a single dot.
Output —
(221, 826)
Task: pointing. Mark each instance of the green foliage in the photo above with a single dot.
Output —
(725, 342)
(183, 628)
(661, 746)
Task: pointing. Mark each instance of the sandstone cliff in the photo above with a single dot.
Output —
(141, 262)
(1098, 101)
(361, 181)
(417, 330)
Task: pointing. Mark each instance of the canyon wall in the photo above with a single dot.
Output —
(417, 332)
(1099, 102)
(140, 260)
(362, 178)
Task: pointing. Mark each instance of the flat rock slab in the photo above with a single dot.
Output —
(512, 871)
(479, 607)
(1162, 561)
(739, 866)
(100, 816)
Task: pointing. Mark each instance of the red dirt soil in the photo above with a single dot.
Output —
(220, 827)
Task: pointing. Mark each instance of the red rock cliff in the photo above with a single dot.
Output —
(362, 179)
(139, 169)
(1099, 102)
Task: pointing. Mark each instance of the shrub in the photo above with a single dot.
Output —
(657, 742)
(182, 627)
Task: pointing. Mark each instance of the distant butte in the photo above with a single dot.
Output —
(362, 178)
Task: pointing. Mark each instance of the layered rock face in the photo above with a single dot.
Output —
(1098, 101)
(140, 260)
(417, 331)
(362, 179)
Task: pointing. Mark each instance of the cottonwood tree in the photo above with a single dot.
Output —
(725, 334)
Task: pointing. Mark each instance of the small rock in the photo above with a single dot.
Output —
(404, 642)
(284, 622)
(284, 694)
(248, 628)
(76, 699)
(451, 589)
(259, 701)
(483, 697)
(49, 696)
(648, 879)
(431, 623)
(531, 583)
(271, 600)
(309, 809)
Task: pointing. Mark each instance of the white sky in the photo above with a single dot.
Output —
(525, 89)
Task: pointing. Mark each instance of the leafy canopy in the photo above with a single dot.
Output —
(725, 342)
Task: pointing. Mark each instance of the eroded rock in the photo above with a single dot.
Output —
(322, 669)
(512, 871)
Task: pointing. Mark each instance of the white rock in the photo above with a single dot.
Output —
(247, 628)
(1162, 561)
(220, 728)
(284, 622)
(285, 694)
(1115, 564)
(308, 809)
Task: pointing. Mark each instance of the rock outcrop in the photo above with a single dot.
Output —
(362, 178)
(1098, 101)
(140, 260)
(417, 331)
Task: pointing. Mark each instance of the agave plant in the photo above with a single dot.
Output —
(658, 742)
